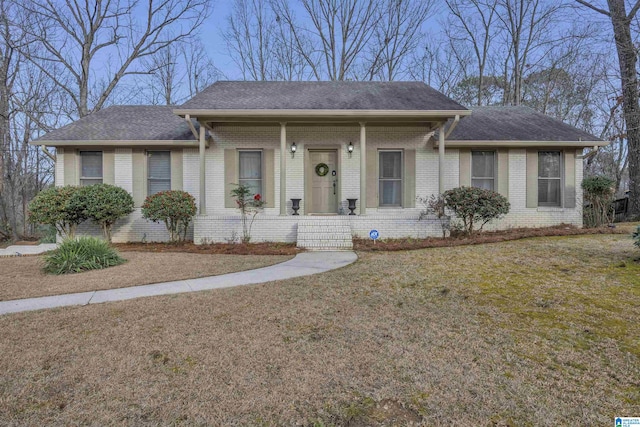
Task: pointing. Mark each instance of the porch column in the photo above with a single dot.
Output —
(363, 168)
(441, 160)
(283, 168)
(203, 196)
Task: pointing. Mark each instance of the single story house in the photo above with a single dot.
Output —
(317, 145)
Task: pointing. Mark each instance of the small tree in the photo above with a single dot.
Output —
(435, 205)
(475, 206)
(51, 207)
(249, 205)
(599, 193)
(174, 208)
(104, 204)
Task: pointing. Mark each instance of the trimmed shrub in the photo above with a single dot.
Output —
(51, 207)
(475, 206)
(599, 193)
(636, 237)
(83, 254)
(104, 204)
(174, 208)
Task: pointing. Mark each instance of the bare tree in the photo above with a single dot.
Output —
(177, 73)
(250, 38)
(340, 33)
(80, 36)
(473, 23)
(627, 59)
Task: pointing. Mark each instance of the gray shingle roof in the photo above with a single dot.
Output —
(320, 96)
(125, 122)
(509, 123)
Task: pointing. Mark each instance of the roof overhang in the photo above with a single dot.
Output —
(520, 144)
(319, 115)
(117, 143)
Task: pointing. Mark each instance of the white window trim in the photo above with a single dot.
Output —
(147, 153)
(80, 176)
(262, 178)
(561, 179)
(495, 167)
(401, 179)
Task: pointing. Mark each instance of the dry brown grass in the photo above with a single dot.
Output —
(262, 248)
(531, 332)
(22, 277)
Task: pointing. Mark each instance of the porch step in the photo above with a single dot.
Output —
(325, 234)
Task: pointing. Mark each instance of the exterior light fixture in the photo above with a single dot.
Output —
(350, 149)
(293, 149)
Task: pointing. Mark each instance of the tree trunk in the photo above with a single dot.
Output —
(627, 59)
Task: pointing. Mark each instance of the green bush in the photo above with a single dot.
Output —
(636, 237)
(174, 208)
(104, 204)
(86, 253)
(475, 206)
(47, 234)
(51, 207)
(599, 193)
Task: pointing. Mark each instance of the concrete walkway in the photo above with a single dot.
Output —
(18, 250)
(304, 264)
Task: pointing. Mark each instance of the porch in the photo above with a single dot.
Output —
(322, 232)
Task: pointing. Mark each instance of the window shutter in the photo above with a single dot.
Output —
(230, 176)
(139, 176)
(465, 167)
(569, 179)
(502, 185)
(268, 178)
(176, 170)
(71, 167)
(532, 178)
(372, 178)
(409, 199)
(108, 161)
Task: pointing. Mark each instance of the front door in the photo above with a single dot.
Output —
(324, 182)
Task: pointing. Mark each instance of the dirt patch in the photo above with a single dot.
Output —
(478, 239)
(264, 248)
(522, 333)
(22, 277)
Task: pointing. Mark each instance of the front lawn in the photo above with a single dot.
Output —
(532, 332)
(22, 277)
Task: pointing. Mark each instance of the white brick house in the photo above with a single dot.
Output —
(383, 144)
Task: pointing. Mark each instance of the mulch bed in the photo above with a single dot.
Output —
(485, 237)
(265, 248)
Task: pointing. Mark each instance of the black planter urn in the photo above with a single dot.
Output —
(352, 205)
(295, 205)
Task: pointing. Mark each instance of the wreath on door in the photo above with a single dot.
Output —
(322, 169)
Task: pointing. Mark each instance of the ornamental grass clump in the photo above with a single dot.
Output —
(474, 206)
(83, 254)
(175, 208)
(636, 237)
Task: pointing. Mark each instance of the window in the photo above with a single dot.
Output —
(250, 171)
(90, 167)
(158, 171)
(390, 182)
(549, 178)
(483, 168)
